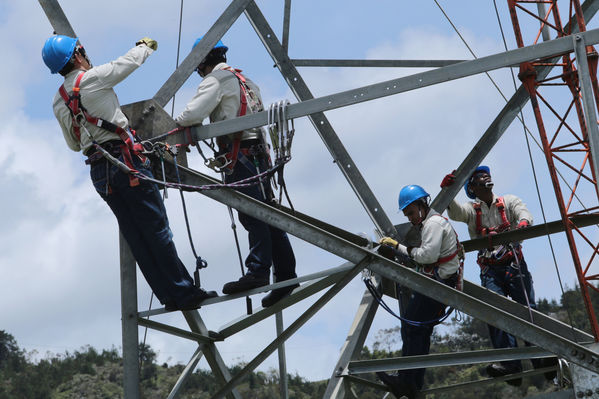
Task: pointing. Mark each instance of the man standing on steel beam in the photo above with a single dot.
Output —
(89, 114)
(439, 256)
(225, 93)
(503, 268)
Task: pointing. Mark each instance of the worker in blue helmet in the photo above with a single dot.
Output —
(89, 114)
(439, 256)
(503, 268)
(225, 93)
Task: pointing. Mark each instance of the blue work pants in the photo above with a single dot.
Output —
(142, 219)
(416, 337)
(268, 245)
(509, 280)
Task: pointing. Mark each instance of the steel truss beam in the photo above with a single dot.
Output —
(314, 276)
(292, 329)
(501, 122)
(446, 359)
(374, 63)
(333, 243)
(209, 40)
(475, 307)
(314, 106)
(320, 122)
(353, 343)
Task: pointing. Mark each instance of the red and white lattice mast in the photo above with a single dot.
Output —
(564, 131)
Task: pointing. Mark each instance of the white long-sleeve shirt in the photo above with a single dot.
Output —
(217, 97)
(438, 240)
(515, 212)
(98, 97)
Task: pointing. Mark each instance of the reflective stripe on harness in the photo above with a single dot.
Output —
(78, 111)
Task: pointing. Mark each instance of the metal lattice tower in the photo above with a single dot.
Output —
(551, 337)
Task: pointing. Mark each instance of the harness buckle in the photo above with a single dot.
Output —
(220, 164)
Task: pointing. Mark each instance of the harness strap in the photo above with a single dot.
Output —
(484, 231)
(429, 268)
(232, 155)
(76, 108)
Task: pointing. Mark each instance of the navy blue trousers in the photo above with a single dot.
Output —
(517, 284)
(417, 338)
(268, 245)
(144, 224)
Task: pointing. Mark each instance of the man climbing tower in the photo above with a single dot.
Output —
(438, 257)
(503, 268)
(89, 114)
(225, 93)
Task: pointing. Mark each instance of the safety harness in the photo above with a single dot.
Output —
(431, 269)
(502, 255)
(80, 116)
(226, 162)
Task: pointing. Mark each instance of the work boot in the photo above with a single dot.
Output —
(192, 301)
(397, 386)
(277, 294)
(245, 283)
(499, 370)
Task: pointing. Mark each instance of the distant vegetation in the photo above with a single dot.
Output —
(91, 374)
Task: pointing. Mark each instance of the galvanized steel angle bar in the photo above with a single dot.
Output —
(57, 18)
(447, 359)
(588, 100)
(294, 327)
(353, 343)
(211, 353)
(286, 283)
(209, 40)
(320, 122)
(298, 295)
(345, 63)
(189, 368)
(174, 330)
(388, 269)
(489, 381)
(455, 71)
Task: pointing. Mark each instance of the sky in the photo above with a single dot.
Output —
(59, 241)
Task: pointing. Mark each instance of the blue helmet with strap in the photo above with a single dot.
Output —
(409, 194)
(481, 168)
(57, 51)
(218, 45)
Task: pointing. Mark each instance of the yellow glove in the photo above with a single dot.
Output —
(151, 43)
(388, 241)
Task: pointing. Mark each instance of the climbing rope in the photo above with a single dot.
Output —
(378, 297)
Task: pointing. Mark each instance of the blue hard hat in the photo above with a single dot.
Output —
(481, 168)
(409, 194)
(57, 51)
(218, 45)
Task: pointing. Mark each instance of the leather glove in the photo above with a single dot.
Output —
(151, 43)
(388, 241)
(449, 179)
(523, 223)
